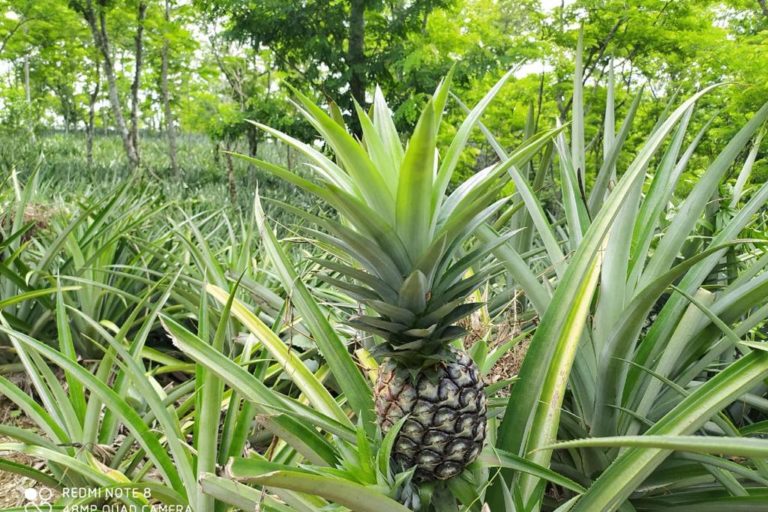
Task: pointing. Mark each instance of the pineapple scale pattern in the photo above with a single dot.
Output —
(446, 410)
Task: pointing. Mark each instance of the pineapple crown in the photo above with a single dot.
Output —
(402, 245)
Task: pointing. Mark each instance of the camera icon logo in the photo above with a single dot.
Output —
(38, 500)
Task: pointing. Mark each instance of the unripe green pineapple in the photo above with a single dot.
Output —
(406, 250)
(445, 407)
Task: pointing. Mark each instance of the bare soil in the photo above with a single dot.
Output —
(498, 333)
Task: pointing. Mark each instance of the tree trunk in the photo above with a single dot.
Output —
(97, 23)
(139, 58)
(356, 57)
(253, 140)
(253, 149)
(230, 174)
(166, 98)
(67, 102)
(763, 7)
(91, 120)
(288, 157)
(28, 95)
(27, 88)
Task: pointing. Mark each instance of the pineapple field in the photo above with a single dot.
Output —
(427, 256)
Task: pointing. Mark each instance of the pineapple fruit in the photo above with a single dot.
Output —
(406, 249)
(445, 408)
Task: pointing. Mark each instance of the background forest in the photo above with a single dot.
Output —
(106, 83)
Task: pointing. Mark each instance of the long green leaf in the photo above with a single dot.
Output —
(148, 439)
(267, 400)
(295, 368)
(498, 458)
(531, 419)
(355, 496)
(414, 209)
(731, 446)
(617, 482)
(451, 158)
(350, 379)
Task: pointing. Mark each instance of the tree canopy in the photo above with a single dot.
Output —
(209, 66)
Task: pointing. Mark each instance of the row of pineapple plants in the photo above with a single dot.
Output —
(84, 269)
(105, 245)
(399, 417)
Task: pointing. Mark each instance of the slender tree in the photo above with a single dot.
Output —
(166, 99)
(141, 15)
(231, 182)
(91, 127)
(95, 15)
(356, 54)
(27, 88)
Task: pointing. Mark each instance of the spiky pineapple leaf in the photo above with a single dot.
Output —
(414, 210)
(413, 294)
(532, 417)
(344, 492)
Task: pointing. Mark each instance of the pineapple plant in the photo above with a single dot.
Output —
(406, 249)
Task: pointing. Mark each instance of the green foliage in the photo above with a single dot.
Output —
(115, 282)
(203, 350)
